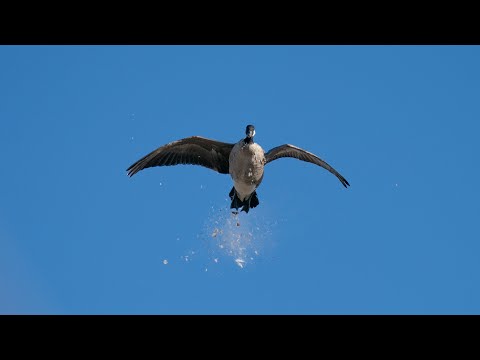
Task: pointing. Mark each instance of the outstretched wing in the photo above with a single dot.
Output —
(193, 150)
(288, 150)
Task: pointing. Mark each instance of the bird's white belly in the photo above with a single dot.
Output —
(244, 190)
(246, 168)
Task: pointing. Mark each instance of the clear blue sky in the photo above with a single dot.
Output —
(401, 123)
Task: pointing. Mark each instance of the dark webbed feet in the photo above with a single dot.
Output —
(246, 205)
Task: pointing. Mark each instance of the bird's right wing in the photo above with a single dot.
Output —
(288, 150)
(194, 150)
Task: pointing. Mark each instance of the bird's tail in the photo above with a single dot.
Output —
(250, 202)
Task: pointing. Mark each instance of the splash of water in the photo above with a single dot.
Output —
(239, 237)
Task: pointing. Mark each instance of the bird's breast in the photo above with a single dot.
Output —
(246, 164)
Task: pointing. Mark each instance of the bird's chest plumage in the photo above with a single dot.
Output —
(246, 164)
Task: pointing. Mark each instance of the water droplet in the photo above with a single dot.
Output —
(165, 262)
(240, 262)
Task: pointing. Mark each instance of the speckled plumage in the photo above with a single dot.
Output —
(247, 161)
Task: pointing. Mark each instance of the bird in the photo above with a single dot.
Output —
(244, 161)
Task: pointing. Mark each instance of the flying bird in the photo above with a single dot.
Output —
(244, 161)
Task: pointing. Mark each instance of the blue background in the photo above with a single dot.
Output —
(401, 123)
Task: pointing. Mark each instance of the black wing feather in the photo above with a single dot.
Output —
(288, 150)
(194, 150)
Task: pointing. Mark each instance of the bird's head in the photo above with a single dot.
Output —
(250, 131)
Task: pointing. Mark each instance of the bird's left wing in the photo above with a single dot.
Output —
(194, 150)
(288, 150)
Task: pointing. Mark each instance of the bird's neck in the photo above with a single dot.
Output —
(248, 140)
